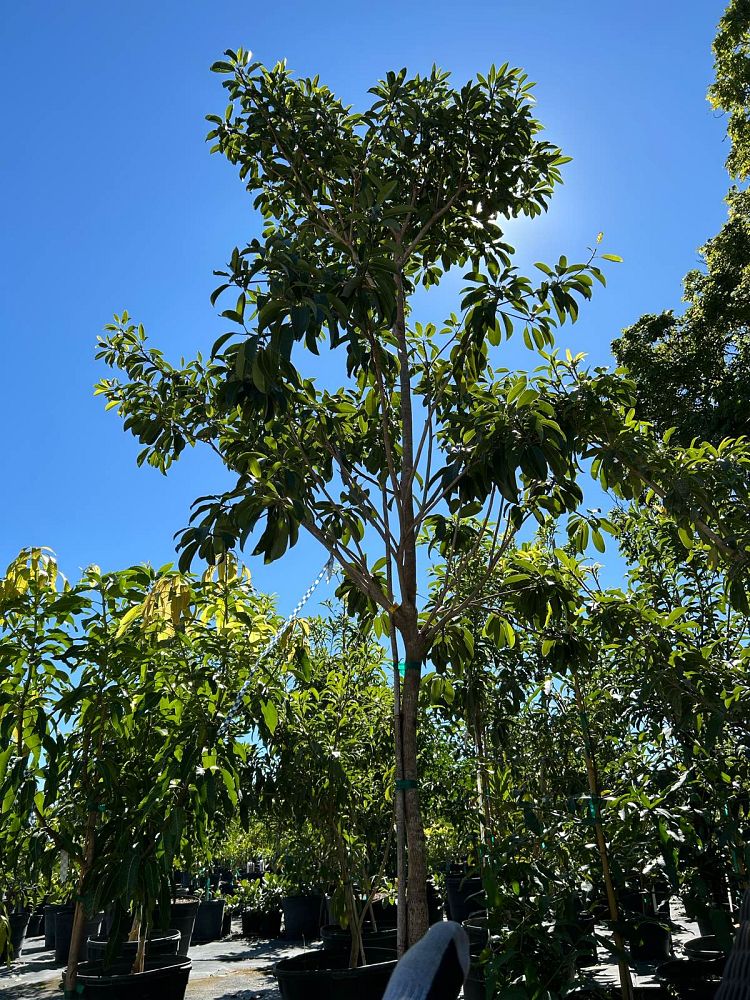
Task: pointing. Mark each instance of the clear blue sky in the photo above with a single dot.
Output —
(111, 201)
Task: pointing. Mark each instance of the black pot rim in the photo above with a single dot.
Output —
(95, 972)
(154, 935)
(336, 930)
(688, 971)
(288, 966)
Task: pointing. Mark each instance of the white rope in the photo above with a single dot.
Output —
(326, 572)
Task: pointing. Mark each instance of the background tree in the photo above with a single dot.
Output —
(730, 91)
(109, 693)
(692, 370)
(330, 765)
(37, 608)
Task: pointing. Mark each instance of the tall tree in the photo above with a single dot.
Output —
(359, 210)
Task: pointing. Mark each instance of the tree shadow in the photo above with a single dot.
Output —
(30, 991)
(261, 994)
(263, 950)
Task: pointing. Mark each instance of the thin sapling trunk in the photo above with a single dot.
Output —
(626, 982)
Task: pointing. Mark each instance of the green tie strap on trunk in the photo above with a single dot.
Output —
(404, 784)
(595, 809)
(404, 665)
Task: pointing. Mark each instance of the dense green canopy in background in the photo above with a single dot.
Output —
(693, 371)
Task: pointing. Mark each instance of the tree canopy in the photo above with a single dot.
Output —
(691, 370)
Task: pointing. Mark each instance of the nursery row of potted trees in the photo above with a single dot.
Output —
(109, 713)
(523, 776)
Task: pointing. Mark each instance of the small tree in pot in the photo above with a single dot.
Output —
(135, 775)
(329, 760)
(36, 610)
(259, 904)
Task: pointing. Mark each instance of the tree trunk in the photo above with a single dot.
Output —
(626, 983)
(418, 919)
(79, 918)
(401, 932)
(483, 790)
(407, 617)
(139, 963)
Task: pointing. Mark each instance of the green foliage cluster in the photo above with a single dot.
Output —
(692, 371)
(730, 91)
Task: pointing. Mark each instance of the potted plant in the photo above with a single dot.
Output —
(435, 433)
(144, 649)
(17, 873)
(209, 917)
(35, 608)
(332, 728)
(259, 903)
(300, 881)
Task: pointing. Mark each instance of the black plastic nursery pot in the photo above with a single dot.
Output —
(110, 919)
(649, 903)
(475, 987)
(650, 941)
(434, 905)
(64, 931)
(208, 921)
(302, 917)
(584, 940)
(19, 923)
(183, 879)
(256, 923)
(270, 924)
(704, 949)
(478, 932)
(466, 897)
(325, 975)
(687, 980)
(182, 915)
(50, 912)
(164, 978)
(385, 913)
(158, 943)
(36, 924)
(708, 917)
(339, 939)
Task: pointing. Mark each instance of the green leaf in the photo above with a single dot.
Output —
(127, 619)
(270, 715)
(300, 320)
